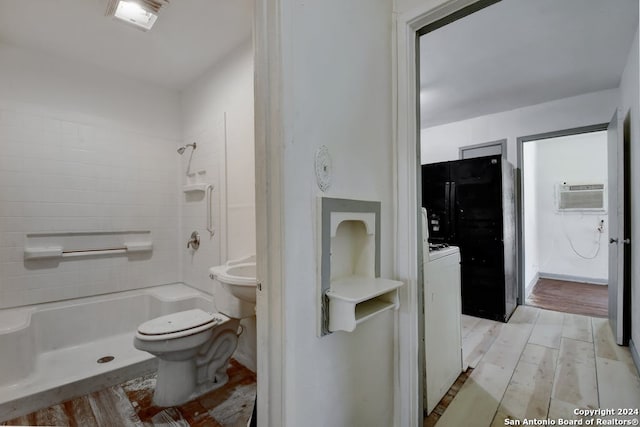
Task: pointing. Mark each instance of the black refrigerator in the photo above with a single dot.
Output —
(471, 204)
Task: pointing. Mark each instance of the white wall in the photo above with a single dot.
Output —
(337, 92)
(441, 143)
(83, 150)
(60, 88)
(575, 159)
(630, 101)
(217, 113)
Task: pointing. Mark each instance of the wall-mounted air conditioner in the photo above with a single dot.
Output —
(580, 198)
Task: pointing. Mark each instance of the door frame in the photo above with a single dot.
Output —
(432, 14)
(620, 230)
(519, 174)
(269, 129)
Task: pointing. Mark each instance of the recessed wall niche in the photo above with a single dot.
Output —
(350, 288)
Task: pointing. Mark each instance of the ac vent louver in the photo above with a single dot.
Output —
(581, 198)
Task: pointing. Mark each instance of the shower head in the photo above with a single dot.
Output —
(181, 149)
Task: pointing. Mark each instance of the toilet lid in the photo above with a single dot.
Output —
(176, 322)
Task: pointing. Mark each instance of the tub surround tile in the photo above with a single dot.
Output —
(64, 176)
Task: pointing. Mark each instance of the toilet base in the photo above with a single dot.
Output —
(180, 381)
(175, 382)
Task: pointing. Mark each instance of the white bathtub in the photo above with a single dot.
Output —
(49, 352)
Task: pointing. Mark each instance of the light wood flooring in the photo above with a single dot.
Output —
(129, 404)
(542, 364)
(570, 297)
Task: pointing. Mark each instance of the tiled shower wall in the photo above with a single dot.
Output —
(64, 176)
(217, 113)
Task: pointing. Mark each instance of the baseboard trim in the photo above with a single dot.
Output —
(570, 278)
(635, 355)
(532, 283)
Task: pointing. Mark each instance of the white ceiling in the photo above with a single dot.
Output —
(188, 37)
(517, 53)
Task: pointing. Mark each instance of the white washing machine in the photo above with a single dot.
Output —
(442, 315)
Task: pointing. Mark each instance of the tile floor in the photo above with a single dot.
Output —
(129, 404)
(542, 364)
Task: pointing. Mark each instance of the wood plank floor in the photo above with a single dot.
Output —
(129, 404)
(542, 364)
(570, 297)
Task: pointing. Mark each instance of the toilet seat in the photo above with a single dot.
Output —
(180, 324)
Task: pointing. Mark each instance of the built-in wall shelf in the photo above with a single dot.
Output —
(354, 299)
(207, 190)
(351, 290)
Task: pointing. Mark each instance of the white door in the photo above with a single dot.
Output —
(615, 167)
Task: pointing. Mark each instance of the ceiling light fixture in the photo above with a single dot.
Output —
(140, 13)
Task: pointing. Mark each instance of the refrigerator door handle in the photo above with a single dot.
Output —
(451, 204)
(447, 210)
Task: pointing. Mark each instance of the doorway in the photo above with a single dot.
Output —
(564, 248)
(410, 132)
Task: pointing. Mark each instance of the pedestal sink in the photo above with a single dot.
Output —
(238, 277)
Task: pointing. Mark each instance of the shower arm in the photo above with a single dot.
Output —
(184, 147)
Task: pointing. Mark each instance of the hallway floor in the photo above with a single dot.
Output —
(570, 297)
(129, 404)
(542, 364)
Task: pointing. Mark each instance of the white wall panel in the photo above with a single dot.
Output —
(337, 92)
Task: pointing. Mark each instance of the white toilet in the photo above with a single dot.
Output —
(193, 348)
